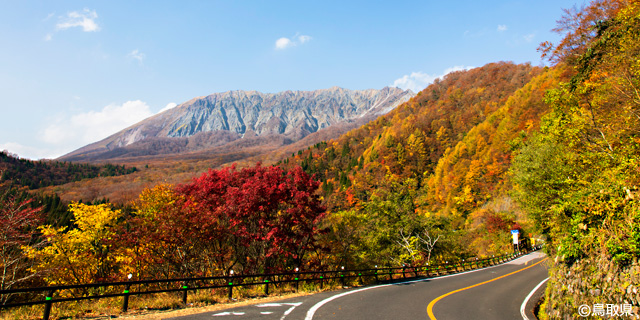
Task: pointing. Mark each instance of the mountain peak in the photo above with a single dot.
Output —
(228, 116)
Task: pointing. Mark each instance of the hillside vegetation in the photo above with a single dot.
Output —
(436, 165)
(40, 174)
(552, 152)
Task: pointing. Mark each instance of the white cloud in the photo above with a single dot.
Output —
(137, 55)
(170, 105)
(298, 39)
(283, 43)
(92, 126)
(303, 38)
(417, 81)
(502, 27)
(529, 37)
(48, 37)
(29, 152)
(84, 19)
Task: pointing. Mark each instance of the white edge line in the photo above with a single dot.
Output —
(317, 306)
(526, 300)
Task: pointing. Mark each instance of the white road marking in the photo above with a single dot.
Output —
(294, 305)
(526, 300)
(317, 306)
(228, 313)
(525, 259)
(269, 305)
(266, 312)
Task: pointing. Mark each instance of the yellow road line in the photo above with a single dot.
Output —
(433, 302)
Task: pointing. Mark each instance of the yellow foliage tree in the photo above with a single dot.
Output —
(80, 255)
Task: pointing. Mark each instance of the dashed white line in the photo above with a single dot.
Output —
(228, 313)
(269, 305)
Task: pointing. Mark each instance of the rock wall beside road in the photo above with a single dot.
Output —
(588, 282)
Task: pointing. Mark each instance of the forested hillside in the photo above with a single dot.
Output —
(578, 175)
(436, 165)
(553, 153)
(40, 174)
(550, 151)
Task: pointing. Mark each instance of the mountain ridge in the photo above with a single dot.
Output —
(207, 122)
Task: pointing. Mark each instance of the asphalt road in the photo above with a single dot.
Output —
(492, 293)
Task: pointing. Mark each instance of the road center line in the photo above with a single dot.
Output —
(317, 306)
(433, 302)
(526, 300)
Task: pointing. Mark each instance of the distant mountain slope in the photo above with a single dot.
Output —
(39, 174)
(408, 142)
(206, 123)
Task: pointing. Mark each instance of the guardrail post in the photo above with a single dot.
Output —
(125, 300)
(184, 292)
(47, 305)
(230, 282)
(376, 272)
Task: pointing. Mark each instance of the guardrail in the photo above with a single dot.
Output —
(184, 285)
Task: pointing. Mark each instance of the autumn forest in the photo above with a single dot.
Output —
(550, 151)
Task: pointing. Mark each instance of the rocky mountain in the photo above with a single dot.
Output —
(243, 119)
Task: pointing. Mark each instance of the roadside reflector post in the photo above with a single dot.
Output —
(266, 287)
(185, 288)
(404, 275)
(230, 284)
(125, 300)
(47, 305)
(342, 276)
(297, 279)
(376, 272)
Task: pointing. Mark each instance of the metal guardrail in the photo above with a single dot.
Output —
(184, 285)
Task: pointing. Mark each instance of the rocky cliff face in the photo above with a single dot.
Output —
(220, 118)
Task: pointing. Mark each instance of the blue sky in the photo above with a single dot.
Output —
(74, 72)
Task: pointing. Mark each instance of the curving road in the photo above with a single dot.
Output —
(496, 292)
